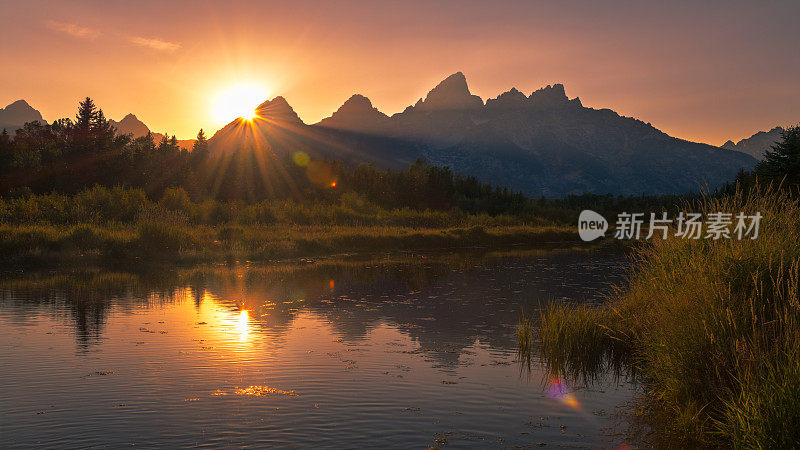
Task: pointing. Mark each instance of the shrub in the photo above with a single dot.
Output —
(176, 199)
(85, 237)
(162, 237)
(107, 204)
(230, 233)
(260, 213)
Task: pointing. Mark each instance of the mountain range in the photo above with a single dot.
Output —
(15, 115)
(540, 144)
(757, 144)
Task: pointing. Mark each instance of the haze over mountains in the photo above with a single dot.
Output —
(15, 115)
(541, 144)
(757, 144)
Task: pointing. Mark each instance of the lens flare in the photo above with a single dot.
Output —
(301, 158)
(559, 391)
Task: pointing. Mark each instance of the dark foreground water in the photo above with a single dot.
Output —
(402, 351)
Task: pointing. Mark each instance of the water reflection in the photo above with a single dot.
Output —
(400, 350)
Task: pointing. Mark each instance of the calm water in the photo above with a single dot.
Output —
(399, 351)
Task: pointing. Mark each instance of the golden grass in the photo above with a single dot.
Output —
(711, 327)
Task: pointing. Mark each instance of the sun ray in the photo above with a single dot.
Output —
(239, 101)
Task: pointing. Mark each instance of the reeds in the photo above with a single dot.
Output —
(711, 327)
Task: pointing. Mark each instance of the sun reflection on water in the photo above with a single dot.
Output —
(243, 325)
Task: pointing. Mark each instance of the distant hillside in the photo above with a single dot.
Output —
(15, 115)
(757, 144)
(540, 144)
(133, 126)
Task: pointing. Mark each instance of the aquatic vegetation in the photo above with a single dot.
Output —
(575, 344)
(710, 327)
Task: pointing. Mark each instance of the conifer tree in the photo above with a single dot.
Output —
(782, 163)
(200, 147)
(87, 115)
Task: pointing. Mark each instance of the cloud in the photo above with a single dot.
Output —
(72, 29)
(155, 44)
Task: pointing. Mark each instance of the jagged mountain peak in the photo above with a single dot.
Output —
(130, 125)
(454, 82)
(451, 93)
(757, 144)
(357, 101)
(542, 144)
(21, 108)
(16, 114)
(277, 110)
(18, 105)
(279, 100)
(357, 113)
(512, 98)
(549, 95)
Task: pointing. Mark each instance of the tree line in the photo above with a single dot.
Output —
(780, 167)
(72, 155)
(69, 156)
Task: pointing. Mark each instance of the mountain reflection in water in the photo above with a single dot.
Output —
(396, 351)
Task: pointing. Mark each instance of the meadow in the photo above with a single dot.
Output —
(123, 223)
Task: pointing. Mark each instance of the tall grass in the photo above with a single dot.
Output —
(124, 223)
(711, 327)
(101, 205)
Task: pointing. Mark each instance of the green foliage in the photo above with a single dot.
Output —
(576, 344)
(780, 168)
(200, 146)
(85, 237)
(162, 238)
(123, 223)
(176, 199)
(68, 157)
(95, 205)
(107, 204)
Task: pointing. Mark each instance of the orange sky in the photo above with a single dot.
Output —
(705, 71)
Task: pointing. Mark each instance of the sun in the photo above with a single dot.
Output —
(238, 101)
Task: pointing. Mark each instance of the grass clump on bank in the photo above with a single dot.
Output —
(712, 328)
(123, 223)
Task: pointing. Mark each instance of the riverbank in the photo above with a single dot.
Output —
(161, 240)
(711, 329)
(122, 224)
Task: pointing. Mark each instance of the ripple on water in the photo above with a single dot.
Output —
(426, 356)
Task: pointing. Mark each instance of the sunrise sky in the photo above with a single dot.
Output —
(706, 71)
